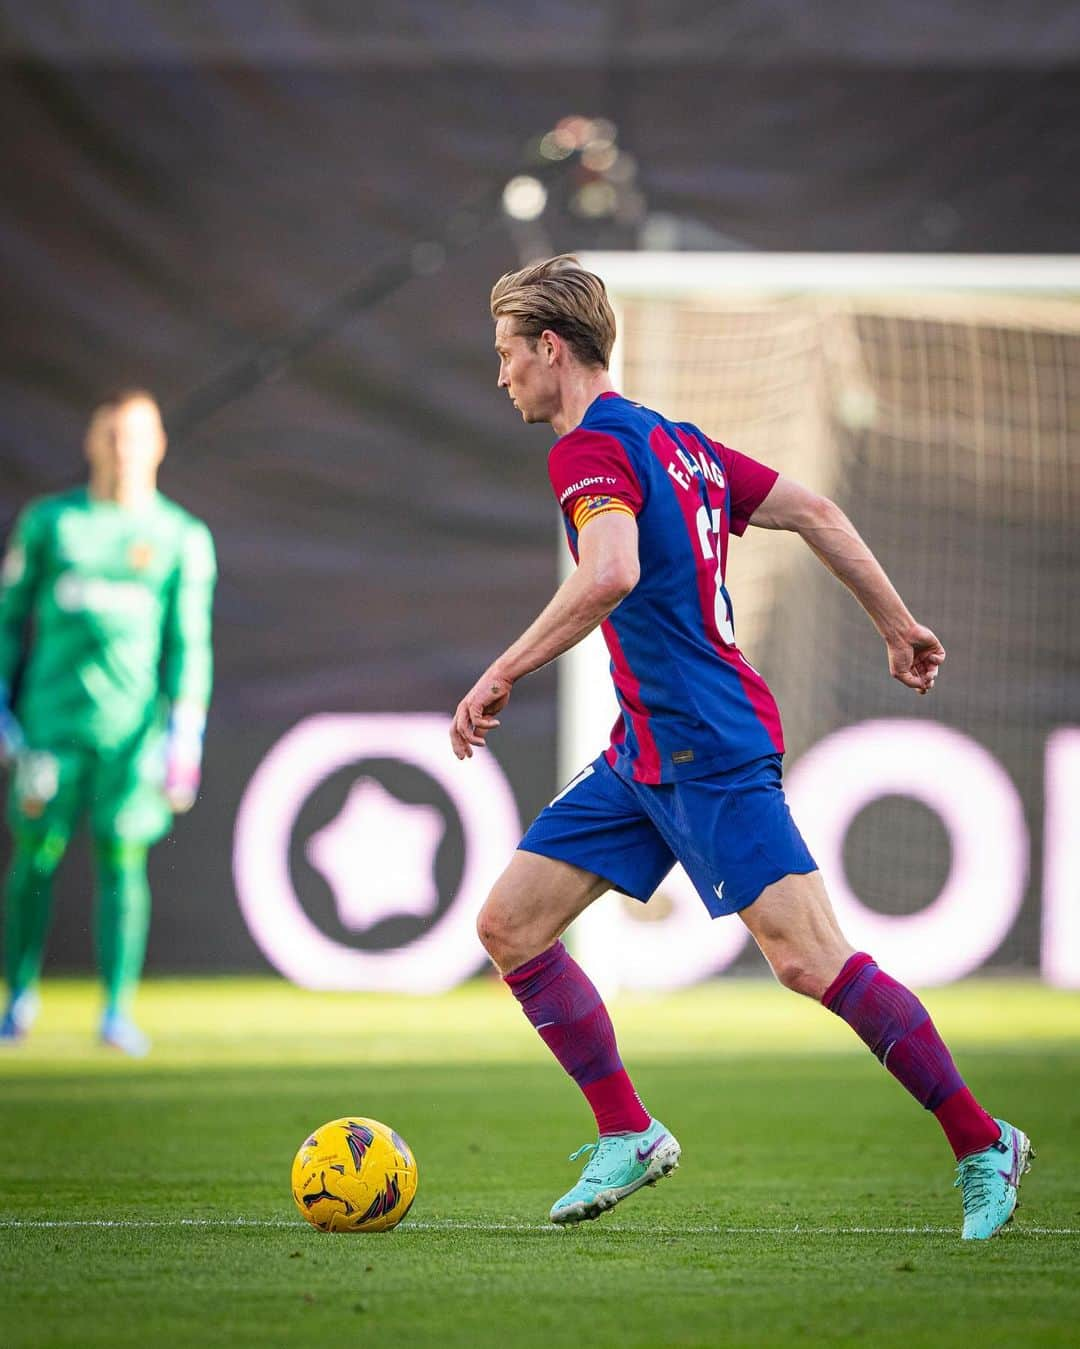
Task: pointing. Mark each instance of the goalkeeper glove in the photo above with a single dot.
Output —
(12, 741)
(183, 756)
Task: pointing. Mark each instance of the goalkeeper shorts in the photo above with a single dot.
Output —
(122, 791)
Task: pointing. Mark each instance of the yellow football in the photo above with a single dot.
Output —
(354, 1175)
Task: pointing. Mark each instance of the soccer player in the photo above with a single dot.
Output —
(693, 772)
(116, 582)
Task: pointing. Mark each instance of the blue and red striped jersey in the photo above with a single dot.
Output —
(691, 704)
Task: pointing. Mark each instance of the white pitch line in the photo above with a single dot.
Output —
(465, 1225)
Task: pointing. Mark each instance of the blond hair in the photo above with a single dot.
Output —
(562, 296)
(121, 396)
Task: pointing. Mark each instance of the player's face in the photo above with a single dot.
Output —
(526, 373)
(126, 443)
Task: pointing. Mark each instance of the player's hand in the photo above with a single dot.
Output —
(476, 713)
(915, 657)
(183, 756)
(182, 776)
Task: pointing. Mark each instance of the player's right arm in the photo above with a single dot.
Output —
(607, 571)
(914, 651)
(19, 578)
(599, 493)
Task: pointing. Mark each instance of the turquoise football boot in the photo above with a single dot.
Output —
(20, 1015)
(618, 1165)
(989, 1181)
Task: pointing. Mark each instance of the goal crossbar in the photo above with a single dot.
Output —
(658, 274)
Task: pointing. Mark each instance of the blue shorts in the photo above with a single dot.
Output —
(732, 832)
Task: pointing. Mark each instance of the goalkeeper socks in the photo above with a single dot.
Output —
(563, 1005)
(897, 1027)
(123, 918)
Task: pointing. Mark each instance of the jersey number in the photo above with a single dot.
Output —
(708, 528)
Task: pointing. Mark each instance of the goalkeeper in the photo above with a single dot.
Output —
(115, 582)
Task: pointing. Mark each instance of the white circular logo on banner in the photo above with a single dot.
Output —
(399, 879)
(977, 803)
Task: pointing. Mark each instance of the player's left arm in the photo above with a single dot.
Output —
(914, 651)
(607, 571)
(189, 664)
(20, 579)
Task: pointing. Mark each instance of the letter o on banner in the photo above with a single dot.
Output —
(983, 816)
(305, 757)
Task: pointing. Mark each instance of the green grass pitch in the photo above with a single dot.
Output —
(148, 1203)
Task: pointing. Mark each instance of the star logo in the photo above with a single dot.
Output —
(378, 857)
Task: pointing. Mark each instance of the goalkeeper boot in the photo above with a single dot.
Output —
(20, 1015)
(989, 1181)
(120, 1033)
(618, 1165)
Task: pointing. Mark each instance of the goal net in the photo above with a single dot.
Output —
(937, 400)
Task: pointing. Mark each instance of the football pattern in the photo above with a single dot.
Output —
(354, 1175)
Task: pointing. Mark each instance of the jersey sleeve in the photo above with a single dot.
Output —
(18, 583)
(591, 474)
(749, 483)
(188, 653)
